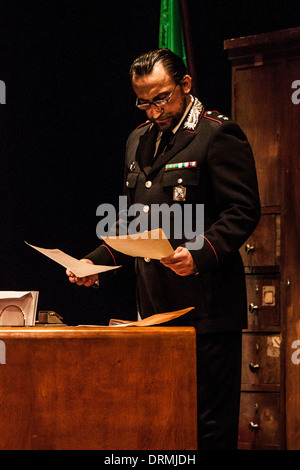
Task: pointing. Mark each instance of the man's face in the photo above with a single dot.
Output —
(158, 85)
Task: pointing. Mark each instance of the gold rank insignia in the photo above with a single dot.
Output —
(179, 193)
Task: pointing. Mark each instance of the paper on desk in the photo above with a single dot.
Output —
(153, 319)
(153, 244)
(79, 268)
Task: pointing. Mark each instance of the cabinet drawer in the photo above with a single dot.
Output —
(263, 301)
(261, 359)
(262, 247)
(259, 423)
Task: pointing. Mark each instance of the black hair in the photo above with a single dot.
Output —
(173, 64)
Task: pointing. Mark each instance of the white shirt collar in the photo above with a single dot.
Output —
(184, 115)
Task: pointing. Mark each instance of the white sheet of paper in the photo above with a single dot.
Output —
(153, 244)
(79, 268)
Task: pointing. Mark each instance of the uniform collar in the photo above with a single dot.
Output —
(190, 118)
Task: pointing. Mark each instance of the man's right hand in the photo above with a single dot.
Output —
(86, 281)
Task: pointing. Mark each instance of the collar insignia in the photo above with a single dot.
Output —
(194, 115)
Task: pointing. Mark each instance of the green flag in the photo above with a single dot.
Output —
(170, 28)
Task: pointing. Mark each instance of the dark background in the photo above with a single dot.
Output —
(69, 111)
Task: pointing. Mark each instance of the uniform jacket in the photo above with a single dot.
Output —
(208, 161)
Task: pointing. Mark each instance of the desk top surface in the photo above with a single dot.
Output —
(81, 331)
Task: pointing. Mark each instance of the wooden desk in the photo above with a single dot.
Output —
(85, 388)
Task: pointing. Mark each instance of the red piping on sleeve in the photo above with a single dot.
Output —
(105, 246)
(211, 248)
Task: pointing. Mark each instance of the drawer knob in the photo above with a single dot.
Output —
(253, 308)
(249, 248)
(253, 426)
(253, 367)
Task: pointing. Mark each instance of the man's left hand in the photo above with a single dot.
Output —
(181, 262)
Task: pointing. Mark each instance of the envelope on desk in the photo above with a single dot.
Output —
(156, 319)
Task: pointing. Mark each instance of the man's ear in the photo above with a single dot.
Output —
(186, 84)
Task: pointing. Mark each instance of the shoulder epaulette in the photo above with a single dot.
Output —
(216, 116)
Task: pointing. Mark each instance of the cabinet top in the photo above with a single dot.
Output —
(264, 42)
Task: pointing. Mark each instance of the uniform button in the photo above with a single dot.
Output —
(146, 208)
(147, 260)
(127, 183)
(179, 181)
(148, 184)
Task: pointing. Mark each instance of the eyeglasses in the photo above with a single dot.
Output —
(157, 103)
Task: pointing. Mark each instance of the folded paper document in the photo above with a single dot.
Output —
(79, 268)
(153, 244)
(153, 319)
(18, 308)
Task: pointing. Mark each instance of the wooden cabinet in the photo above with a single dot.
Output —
(266, 104)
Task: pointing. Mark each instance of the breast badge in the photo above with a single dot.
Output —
(179, 193)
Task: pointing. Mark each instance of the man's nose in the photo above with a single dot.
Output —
(154, 112)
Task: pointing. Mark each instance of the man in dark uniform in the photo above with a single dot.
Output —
(205, 160)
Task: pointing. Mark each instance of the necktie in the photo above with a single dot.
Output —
(164, 141)
(146, 148)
